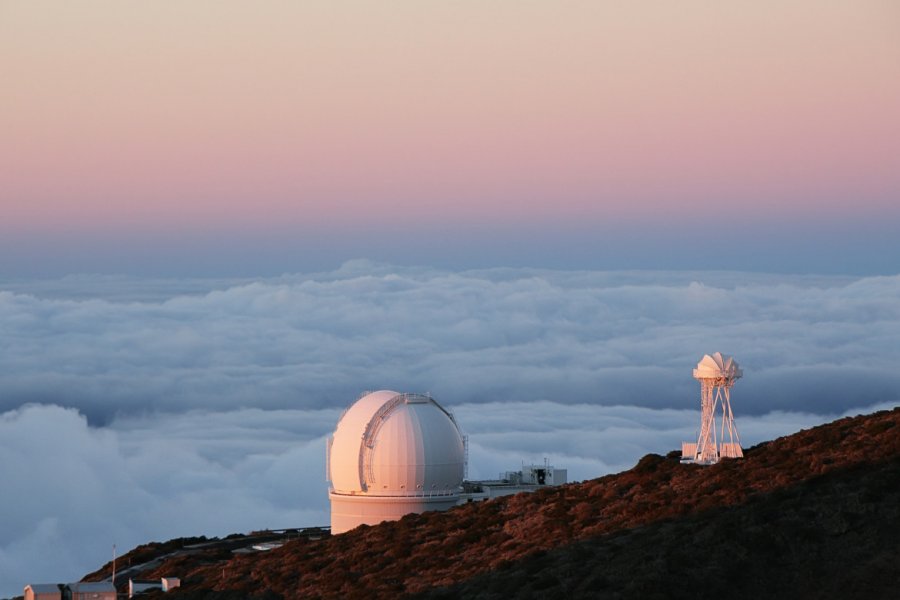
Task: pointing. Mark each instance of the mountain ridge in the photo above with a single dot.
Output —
(494, 547)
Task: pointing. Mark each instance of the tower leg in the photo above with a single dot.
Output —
(706, 443)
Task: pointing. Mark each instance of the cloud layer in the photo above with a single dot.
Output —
(137, 410)
(71, 491)
(97, 344)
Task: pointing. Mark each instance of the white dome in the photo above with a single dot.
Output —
(400, 445)
(717, 366)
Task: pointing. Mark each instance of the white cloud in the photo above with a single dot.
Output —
(200, 407)
(815, 344)
(71, 490)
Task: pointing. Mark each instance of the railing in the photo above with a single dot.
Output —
(442, 493)
(370, 434)
(465, 439)
(328, 445)
(366, 475)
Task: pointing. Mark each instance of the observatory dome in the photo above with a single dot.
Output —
(717, 366)
(392, 454)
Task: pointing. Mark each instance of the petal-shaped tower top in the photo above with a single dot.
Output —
(717, 366)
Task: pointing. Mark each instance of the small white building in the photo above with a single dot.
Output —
(138, 586)
(538, 475)
(529, 479)
(89, 590)
(43, 591)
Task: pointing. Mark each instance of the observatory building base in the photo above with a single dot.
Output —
(350, 511)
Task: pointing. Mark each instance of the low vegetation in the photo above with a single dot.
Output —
(795, 518)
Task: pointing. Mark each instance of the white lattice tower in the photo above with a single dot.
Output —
(717, 439)
(718, 434)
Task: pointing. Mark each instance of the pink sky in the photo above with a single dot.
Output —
(204, 115)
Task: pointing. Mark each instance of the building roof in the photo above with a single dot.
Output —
(92, 586)
(43, 588)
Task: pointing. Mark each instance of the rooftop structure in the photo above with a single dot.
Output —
(392, 454)
(529, 479)
(716, 374)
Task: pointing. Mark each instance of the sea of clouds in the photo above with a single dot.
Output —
(138, 409)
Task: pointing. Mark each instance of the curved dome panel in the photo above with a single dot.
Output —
(390, 444)
(344, 453)
(717, 366)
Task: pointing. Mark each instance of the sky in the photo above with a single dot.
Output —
(238, 139)
(220, 222)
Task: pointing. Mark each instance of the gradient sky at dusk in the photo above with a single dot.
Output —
(220, 221)
(243, 138)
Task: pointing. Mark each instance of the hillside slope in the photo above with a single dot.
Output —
(801, 516)
(834, 536)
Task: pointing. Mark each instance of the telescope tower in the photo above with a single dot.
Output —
(718, 436)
